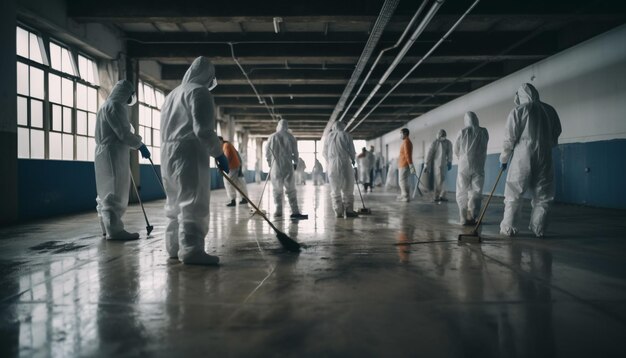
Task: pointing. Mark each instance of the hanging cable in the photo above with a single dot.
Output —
(258, 96)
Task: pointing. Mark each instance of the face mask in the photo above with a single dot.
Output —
(516, 100)
(132, 100)
(213, 84)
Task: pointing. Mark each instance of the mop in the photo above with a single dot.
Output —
(474, 236)
(267, 179)
(148, 226)
(417, 185)
(363, 210)
(288, 243)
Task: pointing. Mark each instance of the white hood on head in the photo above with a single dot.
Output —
(282, 126)
(339, 127)
(121, 92)
(201, 72)
(527, 93)
(471, 120)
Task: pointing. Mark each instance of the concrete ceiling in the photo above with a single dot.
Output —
(302, 70)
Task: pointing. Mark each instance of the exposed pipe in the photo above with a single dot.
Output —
(258, 96)
(441, 40)
(418, 31)
(377, 30)
(380, 55)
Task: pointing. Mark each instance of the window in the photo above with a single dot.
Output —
(58, 123)
(150, 101)
(32, 60)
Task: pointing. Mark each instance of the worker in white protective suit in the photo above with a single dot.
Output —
(283, 147)
(187, 140)
(339, 154)
(365, 165)
(300, 175)
(532, 130)
(439, 160)
(114, 139)
(470, 149)
(316, 173)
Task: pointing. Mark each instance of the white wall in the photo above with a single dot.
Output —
(586, 84)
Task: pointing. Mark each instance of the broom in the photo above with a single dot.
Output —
(288, 243)
(474, 236)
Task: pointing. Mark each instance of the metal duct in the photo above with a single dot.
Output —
(380, 55)
(441, 40)
(379, 27)
(418, 31)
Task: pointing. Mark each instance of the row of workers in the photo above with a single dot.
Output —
(531, 131)
(189, 140)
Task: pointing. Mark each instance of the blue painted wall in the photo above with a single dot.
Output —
(55, 187)
(51, 187)
(601, 185)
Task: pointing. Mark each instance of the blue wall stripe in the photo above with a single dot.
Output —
(55, 187)
(586, 173)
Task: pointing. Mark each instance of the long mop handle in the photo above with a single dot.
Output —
(359, 189)
(246, 197)
(156, 174)
(139, 198)
(482, 213)
(267, 179)
(417, 185)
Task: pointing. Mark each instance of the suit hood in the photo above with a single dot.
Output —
(282, 126)
(121, 92)
(339, 127)
(527, 93)
(201, 72)
(471, 120)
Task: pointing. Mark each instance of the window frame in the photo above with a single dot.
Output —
(50, 105)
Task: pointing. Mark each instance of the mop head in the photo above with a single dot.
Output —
(288, 243)
(470, 238)
(366, 211)
(149, 229)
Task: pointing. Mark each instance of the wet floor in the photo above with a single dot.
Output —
(395, 283)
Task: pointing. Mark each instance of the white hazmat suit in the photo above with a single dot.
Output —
(439, 160)
(284, 148)
(187, 141)
(317, 172)
(339, 154)
(470, 148)
(532, 130)
(114, 139)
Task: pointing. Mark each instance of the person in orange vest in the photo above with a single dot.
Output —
(405, 165)
(236, 174)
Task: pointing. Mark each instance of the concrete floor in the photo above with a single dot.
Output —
(395, 283)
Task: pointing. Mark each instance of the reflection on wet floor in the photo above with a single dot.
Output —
(394, 283)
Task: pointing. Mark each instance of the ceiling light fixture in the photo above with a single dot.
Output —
(277, 21)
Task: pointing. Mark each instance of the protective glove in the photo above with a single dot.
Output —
(503, 166)
(352, 162)
(295, 166)
(145, 153)
(449, 166)
(222, 163)
(412, 168)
